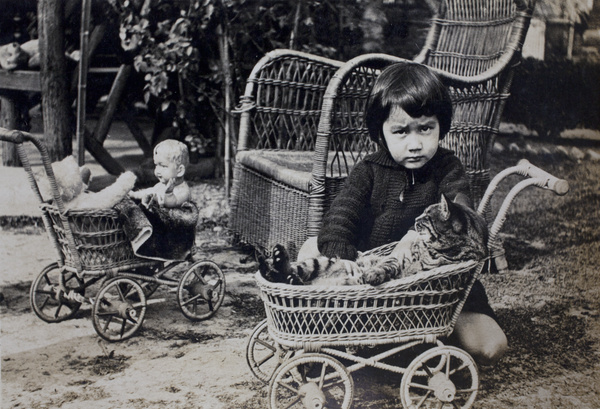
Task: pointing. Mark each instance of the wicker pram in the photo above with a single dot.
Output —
(423, 305)
(297, 347)
(92, 247)
(98, 238)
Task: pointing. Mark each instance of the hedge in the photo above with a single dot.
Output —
(549, 97)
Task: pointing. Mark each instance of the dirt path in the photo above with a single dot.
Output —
(548, 304)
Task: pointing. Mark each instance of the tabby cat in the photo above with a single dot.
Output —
(449, 233)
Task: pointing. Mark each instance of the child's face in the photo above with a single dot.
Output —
(412, 142)
(165, 168)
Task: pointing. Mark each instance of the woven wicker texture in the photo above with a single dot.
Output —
(100, 242)
(300, 102)
(426, 304)
(477, 39)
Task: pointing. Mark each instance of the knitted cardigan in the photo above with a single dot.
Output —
(381, 200)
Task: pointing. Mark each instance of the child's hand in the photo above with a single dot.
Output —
(170, 186)
(148, 200)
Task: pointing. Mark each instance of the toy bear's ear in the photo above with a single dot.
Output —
(86, 174)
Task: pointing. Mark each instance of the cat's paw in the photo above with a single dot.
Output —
(374, 277)
(282, 268)
(294, 279)
(281, 260)
(263, 267)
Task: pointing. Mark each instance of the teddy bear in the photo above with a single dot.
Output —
(72, 182)
(23, 56)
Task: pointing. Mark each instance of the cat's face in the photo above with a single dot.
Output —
(434, 221)
(446, 224)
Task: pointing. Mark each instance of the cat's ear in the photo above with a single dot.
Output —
(444, 209)
(463, 199)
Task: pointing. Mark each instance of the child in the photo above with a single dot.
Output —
(171, 158)
(164, 227)
(408, 112)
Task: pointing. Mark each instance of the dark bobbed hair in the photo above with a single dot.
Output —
(416, 89)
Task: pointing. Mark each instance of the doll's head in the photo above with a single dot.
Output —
(414, 88)
(171, 158)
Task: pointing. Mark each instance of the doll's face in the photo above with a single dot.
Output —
(412, 142)
(166, 168)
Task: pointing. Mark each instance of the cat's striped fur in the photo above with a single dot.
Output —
(447, 233)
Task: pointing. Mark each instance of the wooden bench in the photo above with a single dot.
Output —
(13, 100)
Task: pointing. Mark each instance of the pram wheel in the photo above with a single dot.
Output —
(119, 309)
(442, 377)
(201, 290)
(48, 301)
(311, 381)
(263, 355)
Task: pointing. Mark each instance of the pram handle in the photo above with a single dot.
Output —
(534, 177)
(558, 186)
(13, 136)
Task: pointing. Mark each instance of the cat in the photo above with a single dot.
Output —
(13, 56)
(448, 233)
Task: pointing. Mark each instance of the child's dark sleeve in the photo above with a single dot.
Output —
(339, 235)
(453, 180)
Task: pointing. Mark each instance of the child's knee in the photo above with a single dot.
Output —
(491, 351)
(481, 336)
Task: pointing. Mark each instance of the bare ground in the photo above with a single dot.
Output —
(548, 304)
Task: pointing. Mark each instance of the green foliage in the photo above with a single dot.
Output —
(171, 45)
(175, 45)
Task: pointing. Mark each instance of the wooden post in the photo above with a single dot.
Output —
(84, 39)
(53, 79)
(9, 120)
(294, 33)
(226, 69)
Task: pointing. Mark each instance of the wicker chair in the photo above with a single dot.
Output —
(302, 130)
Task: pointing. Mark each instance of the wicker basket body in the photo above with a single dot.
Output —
(423, 306)
(269, 213)
(101, 245)
(275, 209)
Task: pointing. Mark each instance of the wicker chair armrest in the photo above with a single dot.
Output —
(282, 100)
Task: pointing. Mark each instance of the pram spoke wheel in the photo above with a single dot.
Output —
(119, 309)
(201, 290)
(442, 377)
(263, 355)
(312, 381)
(49, 300)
